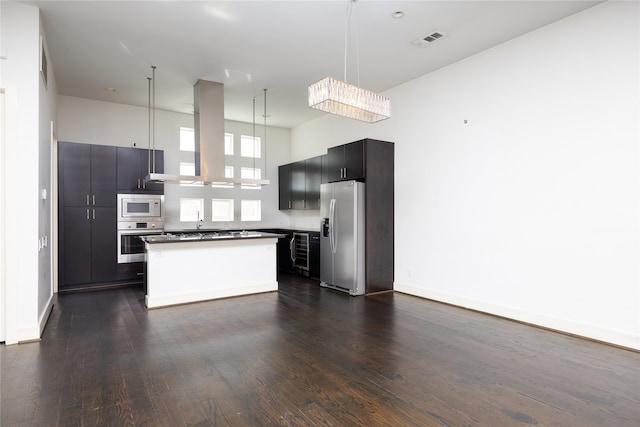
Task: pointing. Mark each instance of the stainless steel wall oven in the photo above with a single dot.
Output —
(138, 215)
(130, 246)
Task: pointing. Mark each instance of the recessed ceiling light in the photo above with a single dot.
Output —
(397, 14)
(109, 89)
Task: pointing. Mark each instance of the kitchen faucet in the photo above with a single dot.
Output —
(198, 221)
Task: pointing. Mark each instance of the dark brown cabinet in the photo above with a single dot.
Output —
(87, 175)
(324, 175)
(284, 187)
(285, 263)
(89, 246)
(314, 254)
(87, 218)
(346, 162)
(313, 178)
(133, 166)
(299, 184)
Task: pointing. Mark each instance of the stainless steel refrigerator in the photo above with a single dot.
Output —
(342, 236)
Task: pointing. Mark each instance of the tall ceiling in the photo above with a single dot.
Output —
(282, 46)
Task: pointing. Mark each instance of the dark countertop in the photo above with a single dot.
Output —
(205, 235)
(276, 230)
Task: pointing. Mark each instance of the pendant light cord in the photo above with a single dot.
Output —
(153, 109)
(347, 34)
(254, 137)
(149, 127)
(265, 133)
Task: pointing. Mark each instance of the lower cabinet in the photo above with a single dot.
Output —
(131, 271)
(285, 263)
(89, 246)
(314, 254)
(288, 246)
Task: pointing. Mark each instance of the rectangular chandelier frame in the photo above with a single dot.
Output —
(340, 98)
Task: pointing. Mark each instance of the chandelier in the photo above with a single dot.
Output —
(343, 99)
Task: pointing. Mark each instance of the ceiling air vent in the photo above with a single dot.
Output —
(435, 36)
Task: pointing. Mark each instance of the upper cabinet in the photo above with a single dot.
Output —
(133, 166)
(284, 187)
(313, 179)
(88, 174)
(346, 162)
(299, 184)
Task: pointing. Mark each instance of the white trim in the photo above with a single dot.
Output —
(42, 322)
(2, 216)
(10, 193)
(256, 288)
(53, 242)
(591, 331)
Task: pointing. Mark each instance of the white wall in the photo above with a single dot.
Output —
(530, 210)
(27, 275)
(96, 122)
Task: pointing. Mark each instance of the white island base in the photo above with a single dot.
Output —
(190, 271)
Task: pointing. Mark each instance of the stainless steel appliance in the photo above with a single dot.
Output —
(342, 236)
(299, 250)
(138, 215)
(130, 246)
(140, 207)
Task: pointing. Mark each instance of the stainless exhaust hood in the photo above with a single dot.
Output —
(208, 100)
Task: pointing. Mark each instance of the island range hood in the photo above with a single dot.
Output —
(208, 103)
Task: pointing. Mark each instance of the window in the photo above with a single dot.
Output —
(191, 209)
(188, 169)
(250, 173)
(250, 210)
(228, 173)
(228, 144)
(222, 210)
(250, 146)
(187, 139)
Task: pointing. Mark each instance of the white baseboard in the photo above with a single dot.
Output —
(175, 299)
(34, 333)
(591, 331)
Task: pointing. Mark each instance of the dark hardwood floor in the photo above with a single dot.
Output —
(307, 356)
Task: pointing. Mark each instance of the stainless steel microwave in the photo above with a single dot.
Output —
(140, 207)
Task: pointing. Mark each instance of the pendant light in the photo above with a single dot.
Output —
(343, 99)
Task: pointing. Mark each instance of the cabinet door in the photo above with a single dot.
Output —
(314, 255)
(298, 185)
(354, 160)
(128, 176)
(103, 176)
(313, 177)
(335, 162)
(74, 162)
(89, 251)
(104, 241)
(76, 246)
(284, 252)
(284, 187)
(325, 169)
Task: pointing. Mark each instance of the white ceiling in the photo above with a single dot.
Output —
(282, 46)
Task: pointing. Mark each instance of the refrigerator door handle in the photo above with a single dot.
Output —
(332, 222)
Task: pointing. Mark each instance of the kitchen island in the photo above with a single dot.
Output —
(190, 267)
